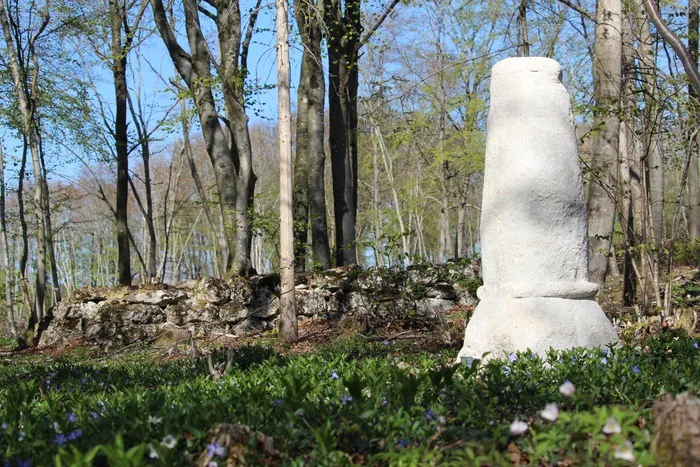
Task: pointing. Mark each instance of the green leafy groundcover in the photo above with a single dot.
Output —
(353, 402)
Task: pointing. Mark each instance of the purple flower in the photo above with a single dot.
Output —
(429, 415)
(695, 344)
(215, 449)
(94, 414)
(606, 351)
(604, 361)
(403, 443)
(72, 417)
(73, 435)
(334, 375)
(512, 357)
(506, 370)
(3, 426)
(635, 369)
(21, 463)
(386, 342)
(277, 402)
(345, 399)
(60, 439)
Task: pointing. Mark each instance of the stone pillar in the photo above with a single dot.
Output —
(534, 225)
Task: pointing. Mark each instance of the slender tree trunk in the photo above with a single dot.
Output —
(524, 48)
(694, 110)
(626, 165)
(651, 127)
(389, 169)
(6, 250)
(49, 228)
(26, 89)
(288, 314)
(377, 208)
(607, 70)
(121, 139)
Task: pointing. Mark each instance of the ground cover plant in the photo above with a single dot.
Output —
(351, 402)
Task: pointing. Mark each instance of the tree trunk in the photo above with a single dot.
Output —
(344, 31)
(288, 314)
(607, 70)
(121, 139)
(47, 219)
(626, 163)
(26, 89)
(232, 162)
(312, 76)
(6, 250)
(651, 128)
(694, 110)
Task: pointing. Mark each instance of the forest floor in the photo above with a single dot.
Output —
(339, 398)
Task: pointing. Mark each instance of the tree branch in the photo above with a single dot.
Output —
(579, 10)
(378, 23)
(671, 39)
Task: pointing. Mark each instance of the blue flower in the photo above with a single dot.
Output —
(695, 344)
(277, 402)
(512, 357)
(429, 415)
(506, 370)
(604, 361)
(21, 463)
(72, 417)
(345, 399)
(73, 435)
(334, 375)
(635, 369)
(215, 449)
(60, 439)
(386, 342)
(3, 426)
(403, 443)
(94, 414)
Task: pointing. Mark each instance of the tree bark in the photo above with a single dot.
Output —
(607, 72)
(651, 128)
(694, 110)
(311, 155)
(6, 250)
(26, 89)
(121, 139)
(344, 29)
(228, 148)
(288, 315)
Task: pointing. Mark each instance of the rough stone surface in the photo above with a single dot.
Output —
(163, 314)
(534, 225)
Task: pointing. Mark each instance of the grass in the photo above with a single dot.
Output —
(350, 402)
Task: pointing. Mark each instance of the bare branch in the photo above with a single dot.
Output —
(378, 23)
(579, 10)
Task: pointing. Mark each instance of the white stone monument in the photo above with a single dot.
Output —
(534, 224)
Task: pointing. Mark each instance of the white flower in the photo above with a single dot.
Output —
(625, 452)
(152, 453)
(154, 420)
(568, 388)
(169, 442)
(550, 412)
(612, 427)
(518, 428)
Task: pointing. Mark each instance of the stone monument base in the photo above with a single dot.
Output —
(504, 325)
